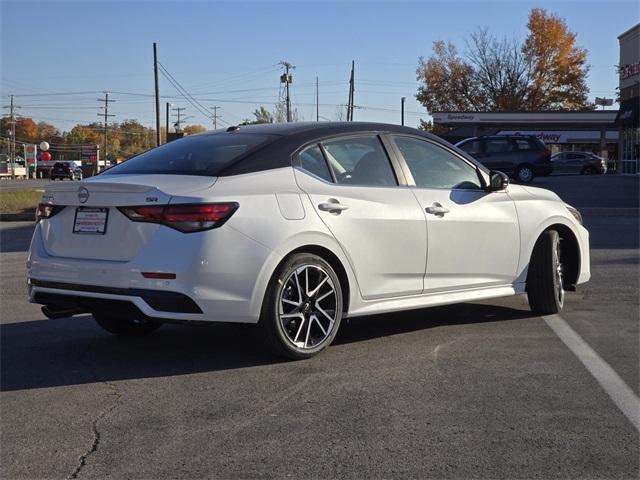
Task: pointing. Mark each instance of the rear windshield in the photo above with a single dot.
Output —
(197, 155)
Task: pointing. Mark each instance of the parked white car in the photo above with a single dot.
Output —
(294, 227)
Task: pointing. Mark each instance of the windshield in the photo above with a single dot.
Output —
(203, 155)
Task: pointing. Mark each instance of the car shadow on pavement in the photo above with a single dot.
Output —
(71, 351)
(359, 329)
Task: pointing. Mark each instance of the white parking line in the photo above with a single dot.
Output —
(626, 400)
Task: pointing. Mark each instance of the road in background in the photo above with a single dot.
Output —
(483, 390)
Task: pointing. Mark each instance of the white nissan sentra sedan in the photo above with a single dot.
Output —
(294, 227)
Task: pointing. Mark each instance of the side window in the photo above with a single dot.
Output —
(473, 147)
(360, 161)
(313, 161)
(524, 144)
(499, 145)
(434, 167)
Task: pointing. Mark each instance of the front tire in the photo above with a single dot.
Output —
(126, 327)
(544, 280)
(302, 308)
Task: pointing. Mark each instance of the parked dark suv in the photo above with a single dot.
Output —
(523, 157)
(64, 170)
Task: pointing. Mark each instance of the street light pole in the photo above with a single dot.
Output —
(402, 100)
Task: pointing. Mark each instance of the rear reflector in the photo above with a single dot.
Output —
(159, 275)
(183, 217)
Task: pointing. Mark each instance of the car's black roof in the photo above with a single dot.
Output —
(320, 128)
(294, 135)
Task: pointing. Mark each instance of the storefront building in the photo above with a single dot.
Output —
(628, 119)
(590, 131)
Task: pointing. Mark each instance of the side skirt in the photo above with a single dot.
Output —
(435, 299)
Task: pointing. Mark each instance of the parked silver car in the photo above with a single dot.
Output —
(584, 163)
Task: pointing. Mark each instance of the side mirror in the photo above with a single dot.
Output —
(498, 181)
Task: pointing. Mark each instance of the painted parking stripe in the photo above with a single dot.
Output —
(625, 399)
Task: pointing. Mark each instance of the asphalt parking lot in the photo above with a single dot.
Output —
(482, 390)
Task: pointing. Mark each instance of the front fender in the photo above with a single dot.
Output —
(531, 232)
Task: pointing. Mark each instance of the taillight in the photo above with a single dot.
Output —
(547, 154)
(46, 210)
(184, 218)
(144, 214)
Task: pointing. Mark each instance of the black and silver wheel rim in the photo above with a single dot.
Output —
(558, 273)
(308, 307)
(525, 174)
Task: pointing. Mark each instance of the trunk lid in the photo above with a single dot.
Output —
(96, 200)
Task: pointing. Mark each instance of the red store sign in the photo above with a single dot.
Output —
(629, 70)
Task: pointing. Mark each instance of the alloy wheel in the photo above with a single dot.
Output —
(558, 271)
(307, 306)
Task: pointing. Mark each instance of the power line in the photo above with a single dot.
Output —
(198, 106)
(177, 124)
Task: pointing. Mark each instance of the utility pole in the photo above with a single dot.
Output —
(12, 145)
(351, 92)
(215, 117)
(166, 138)
(287, 80)
(106, 116)
(317, 100)
(155, 75)
(402, 100)
(177, 124)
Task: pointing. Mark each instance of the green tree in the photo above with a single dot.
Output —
(263, 115)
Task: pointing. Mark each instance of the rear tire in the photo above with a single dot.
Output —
(127, 327)
(524, 173)
(544, 280)
(302, 308)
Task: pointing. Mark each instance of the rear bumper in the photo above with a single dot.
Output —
(158, 300)
(216, 280)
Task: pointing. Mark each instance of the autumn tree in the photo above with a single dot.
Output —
(557, 65)
(134, 138)
(546, 72)
(449, 81)
(192, 129)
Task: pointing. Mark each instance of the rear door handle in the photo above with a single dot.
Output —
(332, 206)
(437, 210)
